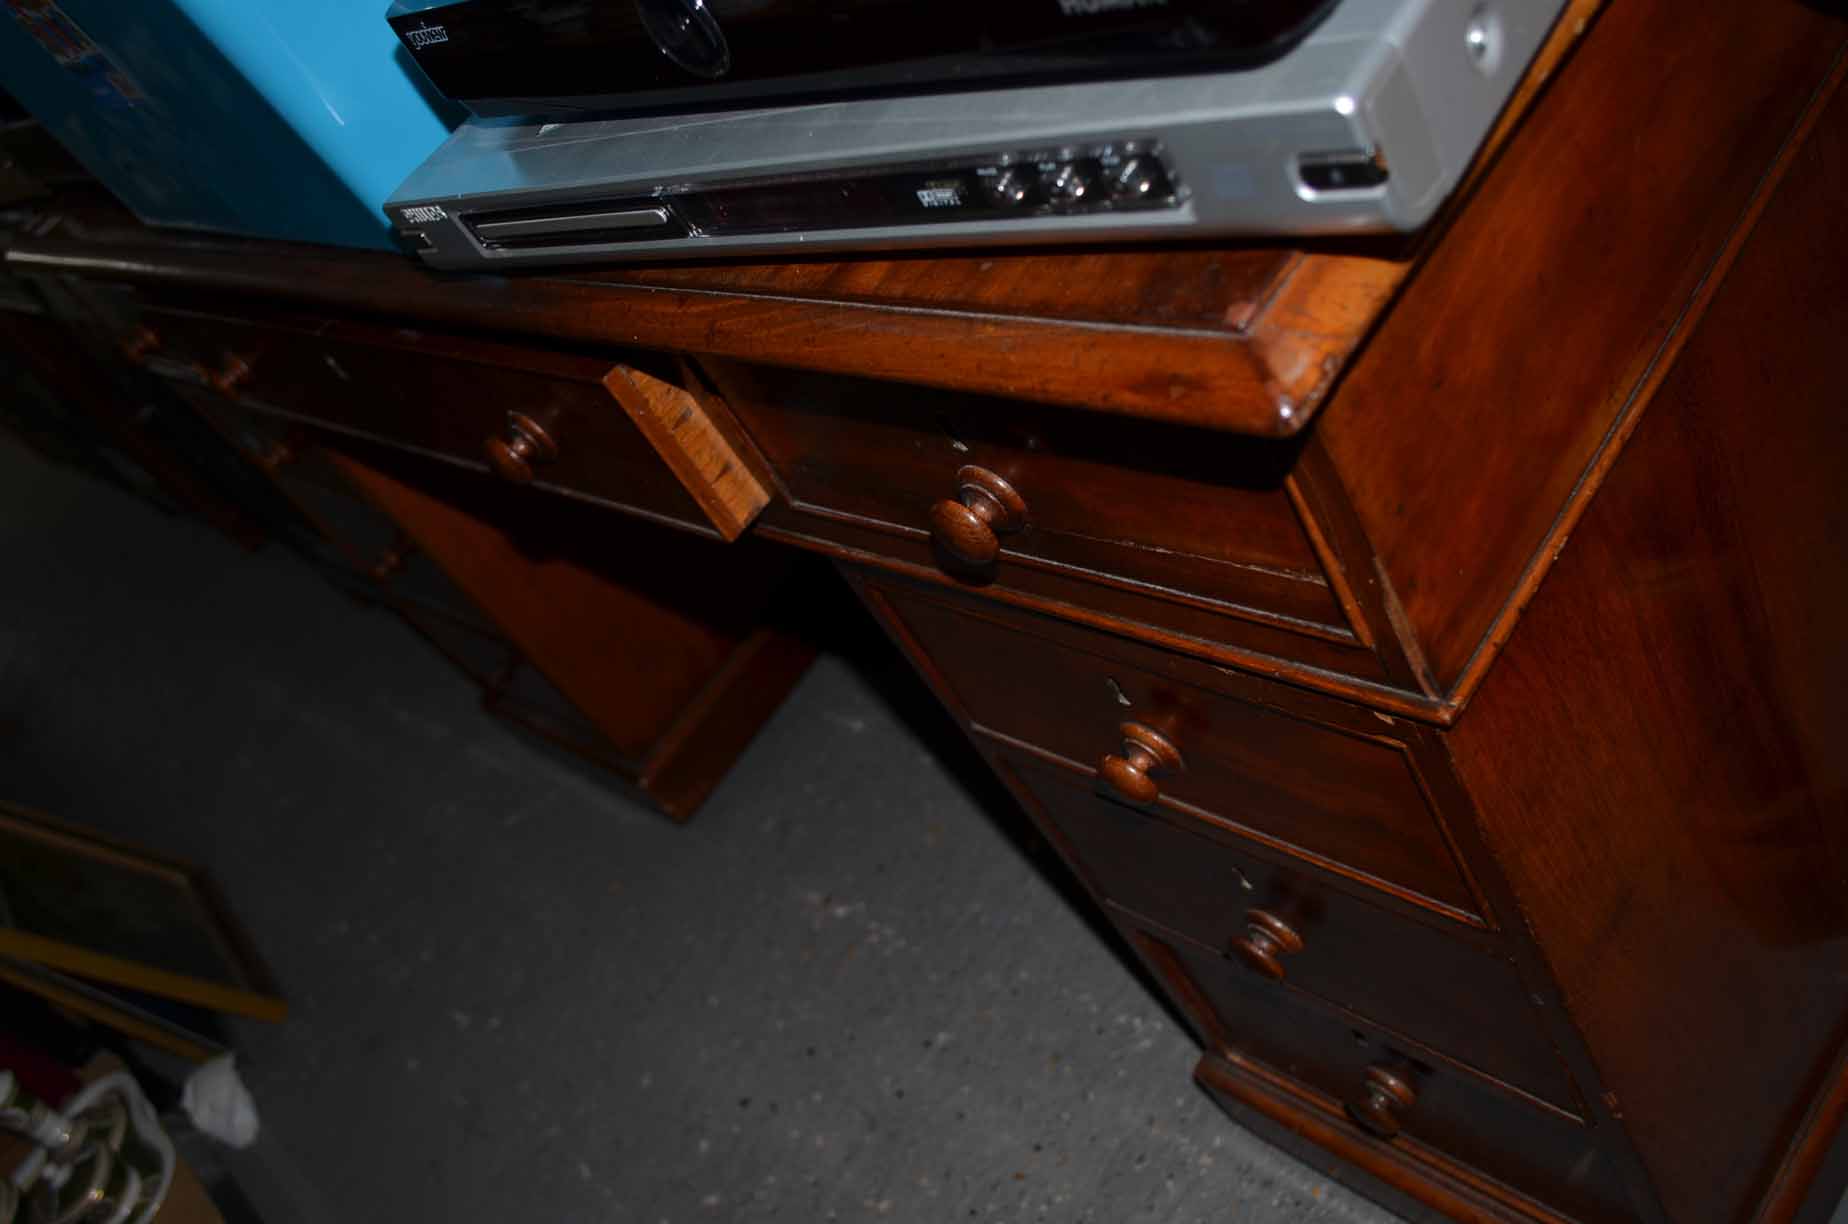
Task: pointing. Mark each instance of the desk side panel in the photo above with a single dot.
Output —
(1657, 755)
(1466, 429)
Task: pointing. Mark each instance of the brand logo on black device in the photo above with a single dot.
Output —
(429, 36)
(1084, 8)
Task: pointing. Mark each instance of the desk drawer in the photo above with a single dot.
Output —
(1179, 528)
(1290, 931)
(618, 434)
(1326, 1063)
(1338, 790)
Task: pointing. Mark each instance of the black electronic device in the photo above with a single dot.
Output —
(634, 57)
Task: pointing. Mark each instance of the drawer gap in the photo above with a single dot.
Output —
(1338, 633)
(1358, 883)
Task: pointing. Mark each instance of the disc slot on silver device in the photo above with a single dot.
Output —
(575, 224)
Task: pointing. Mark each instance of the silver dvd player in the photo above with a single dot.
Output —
(1366, 125)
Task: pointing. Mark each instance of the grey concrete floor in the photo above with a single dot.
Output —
(846, 991)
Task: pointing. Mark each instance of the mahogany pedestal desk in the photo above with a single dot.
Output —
(1430, 655)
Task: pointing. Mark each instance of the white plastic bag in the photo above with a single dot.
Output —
(219, 1104)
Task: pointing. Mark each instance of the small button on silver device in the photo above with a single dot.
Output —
(1010, 186)
(1072, 183)
(1140, 178)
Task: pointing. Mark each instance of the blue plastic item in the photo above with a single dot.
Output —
(276, 118)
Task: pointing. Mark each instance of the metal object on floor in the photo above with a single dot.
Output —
(100, 1158)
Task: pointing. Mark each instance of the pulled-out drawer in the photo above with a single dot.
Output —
(1289, 931)
(1339, 789)
(639, 435)
(1380, 1104)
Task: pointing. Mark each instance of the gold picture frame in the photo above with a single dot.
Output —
(104, 911)
(97, 1003)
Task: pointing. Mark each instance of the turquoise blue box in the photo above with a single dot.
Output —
(275, 118)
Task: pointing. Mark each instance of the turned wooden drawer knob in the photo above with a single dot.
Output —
(1266, 940)
(986, 507)
(394, 560)
(230, 376)
(140, 343)
(525, 443)
(276, 456)
(1386, 1095)
(1145, 750)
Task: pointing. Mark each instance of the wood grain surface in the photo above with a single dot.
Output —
(1452, 998)
(620, 617)
(1657, 755)
(1348, 801)
(1533, 325)
(701, 447)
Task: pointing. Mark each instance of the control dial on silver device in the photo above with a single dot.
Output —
(1010, 186)
(1139, 178)
(1073, 183)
